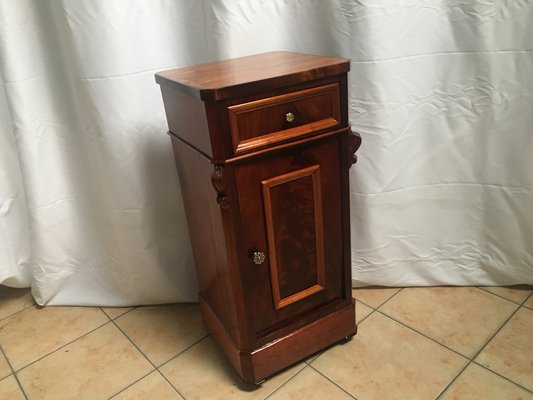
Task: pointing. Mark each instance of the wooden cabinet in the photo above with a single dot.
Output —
(263, 149)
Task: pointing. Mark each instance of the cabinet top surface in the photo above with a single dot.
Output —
(228, 78)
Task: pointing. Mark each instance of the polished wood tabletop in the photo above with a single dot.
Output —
(221, 79)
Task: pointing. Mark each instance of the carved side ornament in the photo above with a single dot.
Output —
(354, 142)
(219, 183)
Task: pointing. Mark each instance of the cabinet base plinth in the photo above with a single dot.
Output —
(256, 365)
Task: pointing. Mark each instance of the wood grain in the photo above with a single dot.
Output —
(255, 365)
(312, 109)
(207, 233)
(254, 182)
(230, 78)
(295, 229)
(253, 234)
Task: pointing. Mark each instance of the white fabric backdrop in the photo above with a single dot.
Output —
(441, 92)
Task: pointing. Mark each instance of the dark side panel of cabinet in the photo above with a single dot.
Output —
(208, 237)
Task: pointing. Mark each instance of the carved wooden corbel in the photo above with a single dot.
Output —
(219, 183)
(354, 142)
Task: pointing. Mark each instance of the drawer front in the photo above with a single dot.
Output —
(272, 120)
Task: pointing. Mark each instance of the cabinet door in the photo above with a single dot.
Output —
(290, 205)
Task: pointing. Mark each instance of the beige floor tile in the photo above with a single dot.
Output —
(35, 332)
(513, 293)
(386, 360)
(529, 302)
(510, 352)
(153, 386)
(10, 390)
(5, 370)
(202, 372)
(162, 332)
(478, 383)
(361, 311)
(374, 296)
(309, 385)
(115, 312)
(461, 318)
(95, 366)
(13, 300)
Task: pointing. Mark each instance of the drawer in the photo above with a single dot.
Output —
(272, 120)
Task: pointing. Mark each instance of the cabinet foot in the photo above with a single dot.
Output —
(345, 339)
(253, 366)
(249, 386)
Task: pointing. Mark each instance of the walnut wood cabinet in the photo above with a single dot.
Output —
(263, 150)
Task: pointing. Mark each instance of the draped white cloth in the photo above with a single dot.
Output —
(440, 91)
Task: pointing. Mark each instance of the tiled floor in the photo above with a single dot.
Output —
(413, 343)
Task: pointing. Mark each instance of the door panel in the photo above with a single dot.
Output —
(293, 216)
(290, 204)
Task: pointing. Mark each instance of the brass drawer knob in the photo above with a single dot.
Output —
(289, 117)
(258, 257)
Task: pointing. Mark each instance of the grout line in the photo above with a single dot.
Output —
(362, 302)
(304, 366)
(340, 387)
(470, 362)
(324, 350)
(365, 317)
(485, 344)
(500, 296)
(469, 358)
(443, 391)
(62, 346)
(502, 376)
(373, 310)
(378, 306)
(131, 384)
(490, 340)
(390, 298)
(287, 381)
(14, 374)
(124, 313)
(482, 347)
(170, 383)
(15, 313)
(7, 360)
(180, 353)
(184, 350)
(422, 334)
(134, 345)
(525, 301)
(156, 369)
(21, 310)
